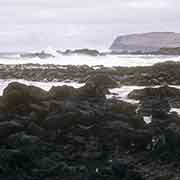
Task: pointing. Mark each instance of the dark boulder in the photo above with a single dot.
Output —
(92, 91)
(16, 94)
(9, 127)
(161, 92)
(62, 92)
(158, 108)
(156, 101)
(166, 143)
(117, 106)
(101, 80)
(97, 86)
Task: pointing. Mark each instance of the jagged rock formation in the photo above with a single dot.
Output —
(147, 42)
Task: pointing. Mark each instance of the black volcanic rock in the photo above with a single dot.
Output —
(62, 92)
(161, 92)
(146, 43)
(101, 80)
(75, 136)
(97, 86)
(172, 51)
(158, 74)
(9, 127)
(41, 55)
(18, 97)
(156, 101)
(89, 52)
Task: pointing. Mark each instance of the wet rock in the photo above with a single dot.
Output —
(41, 55)
(45, 163)
(62, 92)
(22, 139)
(36, 130)
(9, 127)
(157, 108)
(120, 168)
(165, 144)
(117, 106)
(158, 74)
(97, 86)
(161, 92)
(93, 91)
(57, 106)
(13, 161)
(156, 101)
(172, 135)
(17, 94)
(27, 91)
(101, 80)
(57, 135)
(61, 121)
(90, 52)
(135, 175)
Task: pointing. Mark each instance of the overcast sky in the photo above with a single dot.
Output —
(59, 22)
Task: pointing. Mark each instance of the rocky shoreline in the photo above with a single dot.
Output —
(68, 133)
(158, 74)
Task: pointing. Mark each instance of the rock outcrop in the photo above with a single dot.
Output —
(70, 133)
(89, 52)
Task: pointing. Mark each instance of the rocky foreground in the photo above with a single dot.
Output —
(69, 133)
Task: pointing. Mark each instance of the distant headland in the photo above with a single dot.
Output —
(153, 42)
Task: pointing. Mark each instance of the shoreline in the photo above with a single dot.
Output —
(158, 74)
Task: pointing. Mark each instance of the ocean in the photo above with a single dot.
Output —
(106, 60)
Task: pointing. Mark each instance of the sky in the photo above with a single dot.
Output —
(37, 24)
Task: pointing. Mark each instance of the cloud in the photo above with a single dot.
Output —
(27, 21)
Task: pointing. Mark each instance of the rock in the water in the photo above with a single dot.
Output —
(90, 52)
(41, 55)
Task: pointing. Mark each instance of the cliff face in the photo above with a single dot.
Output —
(147, 42)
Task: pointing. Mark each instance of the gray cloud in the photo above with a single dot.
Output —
(62, 23)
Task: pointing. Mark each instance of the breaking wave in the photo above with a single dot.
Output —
(79, 59)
